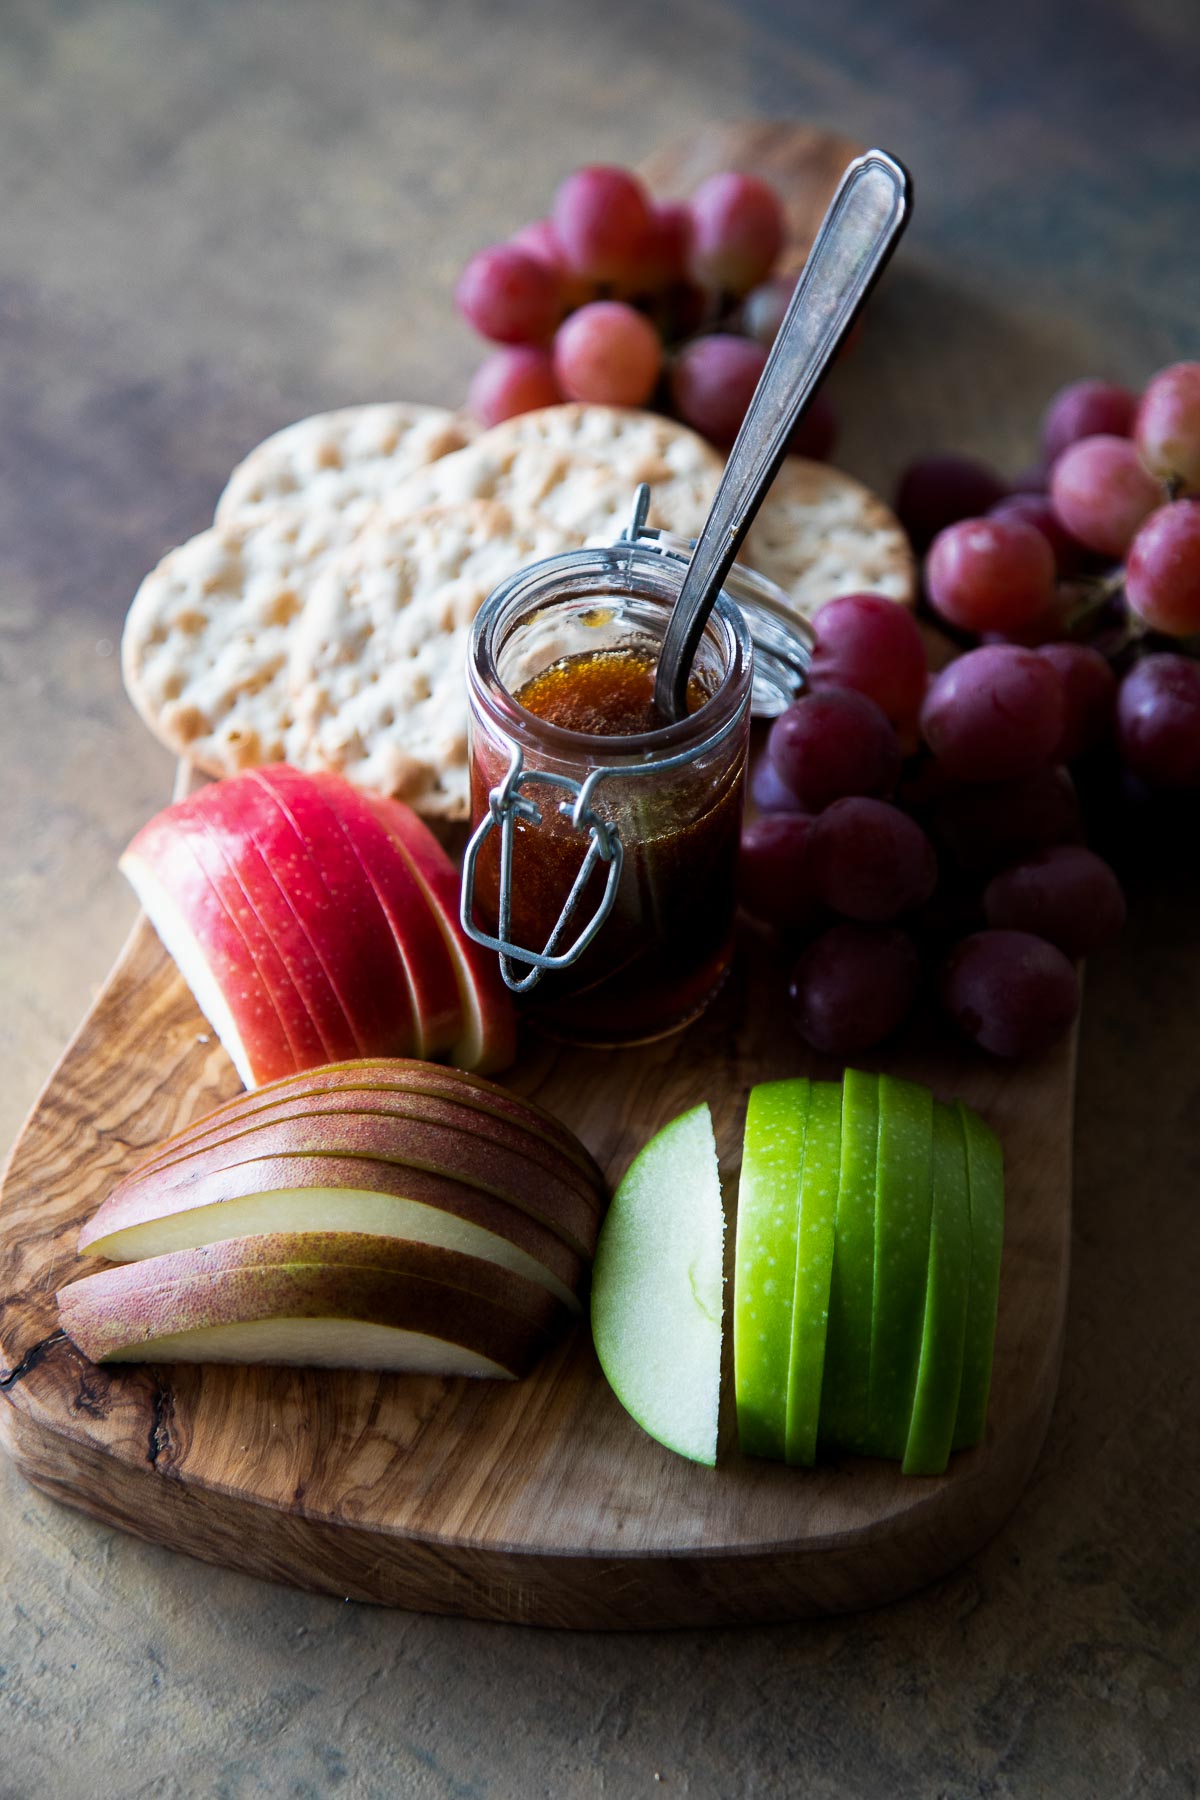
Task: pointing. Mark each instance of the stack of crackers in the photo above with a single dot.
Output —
(323, 618)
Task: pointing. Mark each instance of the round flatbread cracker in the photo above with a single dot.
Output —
(205, 647)
(682, 468)
(377, 670)
(820, 533)
(350, 458)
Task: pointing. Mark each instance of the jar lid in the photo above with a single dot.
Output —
(782, 639)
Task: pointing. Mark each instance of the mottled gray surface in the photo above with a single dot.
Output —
(218, 217)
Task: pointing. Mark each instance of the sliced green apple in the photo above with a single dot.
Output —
(845, 1388)
(814, 1269)
(656, 1288)
(903, 1205)
(985, 1188)
(939, 1373)
(773, 1157)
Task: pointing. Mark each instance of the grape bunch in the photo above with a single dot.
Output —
(621, 300)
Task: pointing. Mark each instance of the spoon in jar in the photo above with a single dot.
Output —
(865, 221)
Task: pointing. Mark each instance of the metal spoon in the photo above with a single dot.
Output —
(865, 221)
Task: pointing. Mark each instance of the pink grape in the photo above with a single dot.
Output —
(664, 255)
(853, 986)
(1089, 697)
(601, 217)
(936, 491)
(769, 791)
(764, 307)
(870, 861)
(517, 379)
(738, 229)
(833, 743)
(816, 434)
(994, 713)
(537, 239)
(774, 878)
(1067, 895)
(712, 382)
(1084, 409)
(607, 353)
(990, 824)
(1158, 721)
(1009, 992)
(1070, 556)
(1101, 491)
(990, 574)
(509, 296)
(872, 645)
(1167, 430)
(1162, 571)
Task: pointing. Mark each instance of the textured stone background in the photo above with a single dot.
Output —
(219, 217)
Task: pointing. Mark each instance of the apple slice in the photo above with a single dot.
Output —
(903, 1202)
(656, 1288)
(985, 1189)
(338, 1299)
(844, 1390)
(773, 1156)
(939, 1374)
(489, 1039)
(814, 1269)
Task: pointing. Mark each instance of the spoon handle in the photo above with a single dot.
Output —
(858, 234)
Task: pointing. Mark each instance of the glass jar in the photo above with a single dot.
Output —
(601, 866)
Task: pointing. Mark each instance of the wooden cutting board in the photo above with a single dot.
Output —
(538, 1501)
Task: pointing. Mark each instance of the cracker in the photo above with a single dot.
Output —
(377, 671)
(205, 647)
(640, 446)
(820, 533)
(344, 459)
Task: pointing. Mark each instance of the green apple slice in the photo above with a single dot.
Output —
(985, 1189)
(939, 1376)
(903, 1205)
(765, 1262)
(814, 1269)
(656, 1288)
(844, 1390)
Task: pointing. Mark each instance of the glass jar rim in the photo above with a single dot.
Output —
(691, 736)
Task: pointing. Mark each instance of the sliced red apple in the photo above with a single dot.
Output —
(335, 1299)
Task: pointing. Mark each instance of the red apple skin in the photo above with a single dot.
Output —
(430, 969)
(490, 1037)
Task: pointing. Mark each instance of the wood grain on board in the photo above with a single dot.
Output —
(537, 1501)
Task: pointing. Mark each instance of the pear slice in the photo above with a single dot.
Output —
(903, 1205)
(656, 1288)
(773, 1158)
(985, 1188)
(939, 1374)
(814, 1269)
(844, 1390)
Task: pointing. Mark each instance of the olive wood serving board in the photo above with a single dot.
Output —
(537, 1501)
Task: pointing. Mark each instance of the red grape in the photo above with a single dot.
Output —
(1101, 491)
(712, 382)
(936, 491)
(1089, 697)
(764, 307)
(816, 434)
(738, 229)
(1168, 425)
(602, 219)
(870, 861)
(993, 823)
(774, 878)
(994, 713)
(853, 986)
(1162, 571)
(509, 296)
(517, 379)
(872, 645)
(1086, 409)
(664, 256)
(1009, 992)
(990, 574)
(1070, 556)
(1158, 721)
(1067, 895)
(1033, 480)
(831, 744)
(537, 239)
(769, 791)
(607, 353)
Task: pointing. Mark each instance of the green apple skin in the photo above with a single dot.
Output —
(814, 1269)
(985, 1188)
(939, 1375)
(657, 1288)
(773, 1155)
(903, 1208)
(844, 1390)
